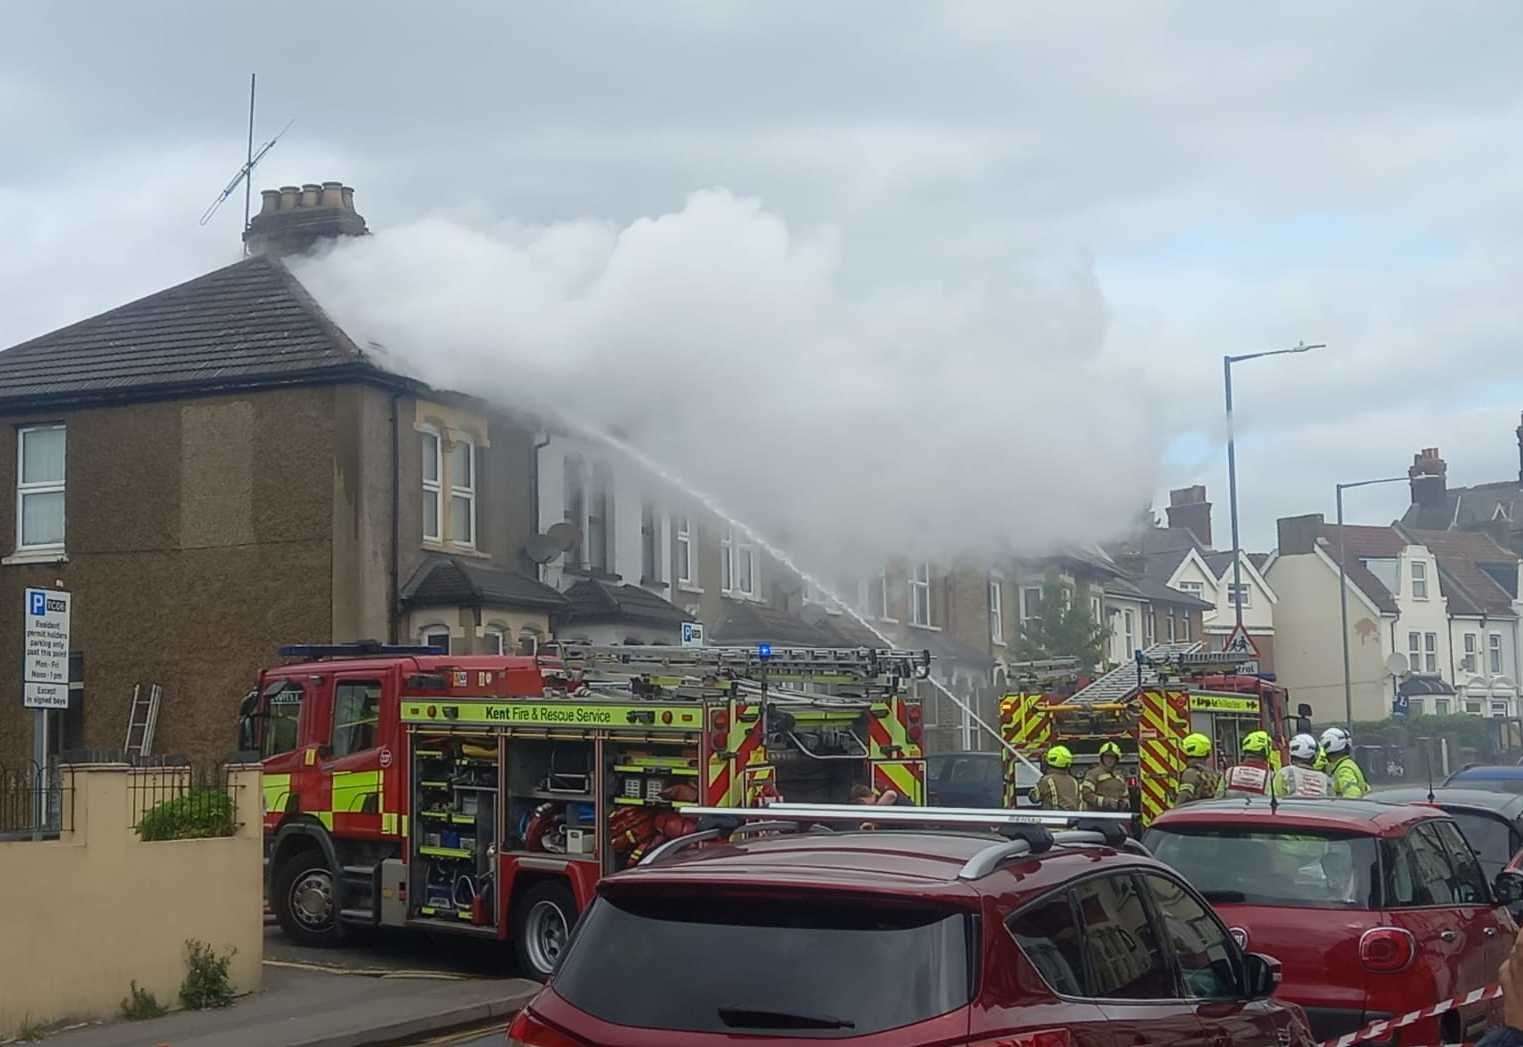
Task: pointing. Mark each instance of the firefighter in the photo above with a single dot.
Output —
(1199, 780)
(1057, 790)
(1302, 779)
(1347, 779)
(1103, 788)
(1251, 776)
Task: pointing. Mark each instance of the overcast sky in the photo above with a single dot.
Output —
(1237, 179)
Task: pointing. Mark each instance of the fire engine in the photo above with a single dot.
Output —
(1147, 708)
(486, 795)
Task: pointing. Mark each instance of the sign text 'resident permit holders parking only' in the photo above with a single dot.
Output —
(45, 654)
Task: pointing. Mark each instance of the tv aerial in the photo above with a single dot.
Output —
(245, 173)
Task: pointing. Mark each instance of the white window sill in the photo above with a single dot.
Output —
(45, 555)
(1000, 643)
(449, 549)
(927, 628)
(689, 587)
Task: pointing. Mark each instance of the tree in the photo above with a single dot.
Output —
(1061, 628)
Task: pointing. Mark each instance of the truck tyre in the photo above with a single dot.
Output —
(542, 920)
(304, 896)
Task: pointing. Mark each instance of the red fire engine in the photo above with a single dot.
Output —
(486, 795)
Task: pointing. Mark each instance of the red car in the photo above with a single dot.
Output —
(1373, 909)
(905, 935)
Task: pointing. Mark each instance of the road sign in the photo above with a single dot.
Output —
(45, 655)
(692, 634)
(1240, 643)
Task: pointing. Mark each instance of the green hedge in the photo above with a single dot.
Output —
(196, 815)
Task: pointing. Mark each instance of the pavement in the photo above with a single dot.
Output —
(393, 990)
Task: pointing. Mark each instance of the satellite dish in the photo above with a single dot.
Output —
(543, 548)
(565, 535)
(1397, 665)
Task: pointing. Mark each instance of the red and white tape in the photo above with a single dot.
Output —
(1382, 1029)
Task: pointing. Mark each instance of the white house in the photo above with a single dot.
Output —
(1406, 595)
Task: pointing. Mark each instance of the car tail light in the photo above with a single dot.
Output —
(1040, 1038)
(529, 1031)
(1386, 950)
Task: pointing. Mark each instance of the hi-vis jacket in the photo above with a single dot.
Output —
(1302, 783)
(1348, 779)
(1248, 779)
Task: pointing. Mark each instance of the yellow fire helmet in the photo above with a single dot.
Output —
(1110, 749)
(1257, 743)
(1196, 745)
(1059, 756)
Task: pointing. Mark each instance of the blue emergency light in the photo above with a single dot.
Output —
(764, 651)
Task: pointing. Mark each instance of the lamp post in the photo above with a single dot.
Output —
(1227, 362)
(1348, 681)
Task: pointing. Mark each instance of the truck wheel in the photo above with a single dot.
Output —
(542, 920)
(305, 899)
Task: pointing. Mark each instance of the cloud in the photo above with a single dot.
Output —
(931, 418)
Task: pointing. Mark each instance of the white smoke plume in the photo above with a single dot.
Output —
(932, 419)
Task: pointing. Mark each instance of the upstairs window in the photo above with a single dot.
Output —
(449, 488)
(575, 512)
(1494, 650)
(1430, 652)
(40, 488)
(1468, 662)
(650, 545)
(996, 612)
(462, 490)
(685, 550)
(433, 477)
(1419, 580)
(1236, 593)
(600, 519)
(920, 594)
(1031, 601)
(1195, 589)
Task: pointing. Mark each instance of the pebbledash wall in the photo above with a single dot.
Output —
(97, 908)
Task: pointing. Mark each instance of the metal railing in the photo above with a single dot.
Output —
(175, 799)
(36, 803)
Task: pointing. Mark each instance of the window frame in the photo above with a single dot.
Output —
(1447, 707)
(25, 489)
(1419, 579)
(1236, 592)
(456, 490)
(1195, 589)
(1494, 653)
(650, 544)
(1129, 630)
(687, 547)
(599, 509)
(1430, 652)
(1470, 663)
(1184, 627)
(920, 589)
(333, 735)
(436, 629)
(434, 486)
(1030, 609)
(1414, 651)
(499, 631)
(996, 610)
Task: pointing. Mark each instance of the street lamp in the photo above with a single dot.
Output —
(1348, 682)
(1227, 362)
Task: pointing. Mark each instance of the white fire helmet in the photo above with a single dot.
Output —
(1335, 740)
(1303, 747)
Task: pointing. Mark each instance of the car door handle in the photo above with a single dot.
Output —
(1447, 936)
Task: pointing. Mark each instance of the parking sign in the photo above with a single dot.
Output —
(45, 653)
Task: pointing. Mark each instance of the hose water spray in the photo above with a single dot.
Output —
(782, 557)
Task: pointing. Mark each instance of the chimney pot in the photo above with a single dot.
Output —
(348, 192)
(310, 193)
(333, 194)
(290, 197)
(294, 219)
(269, 201)
(1428, 478)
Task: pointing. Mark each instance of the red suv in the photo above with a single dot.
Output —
(1374, 909)
(905, 935)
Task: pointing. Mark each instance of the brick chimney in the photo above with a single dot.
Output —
(1428, 477)
(1189, 509)
(1298, 534)
(292, 218)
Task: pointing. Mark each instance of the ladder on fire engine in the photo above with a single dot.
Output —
(1188, 665)
(856, 664)
(1042, 674)
(142, 719)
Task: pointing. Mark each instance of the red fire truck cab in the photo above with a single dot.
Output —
(486, 795)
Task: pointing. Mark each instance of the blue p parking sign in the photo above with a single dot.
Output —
(37, 603)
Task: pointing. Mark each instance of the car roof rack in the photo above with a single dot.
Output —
(1027, 832)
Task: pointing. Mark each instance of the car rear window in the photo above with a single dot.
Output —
(1294, 868)
(804, 967)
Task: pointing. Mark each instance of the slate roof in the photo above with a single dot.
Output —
(1462, 558)
(1365, 542)
(594, 600)
(743, 623)
(247, 324)
(1115, 685)
(1155, 591)
(1465, 508)
(454, 581)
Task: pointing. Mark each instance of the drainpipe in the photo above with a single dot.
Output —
(538, 446)
(1454, 679)
(394, 594)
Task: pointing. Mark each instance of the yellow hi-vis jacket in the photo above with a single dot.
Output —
(1348, 779)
